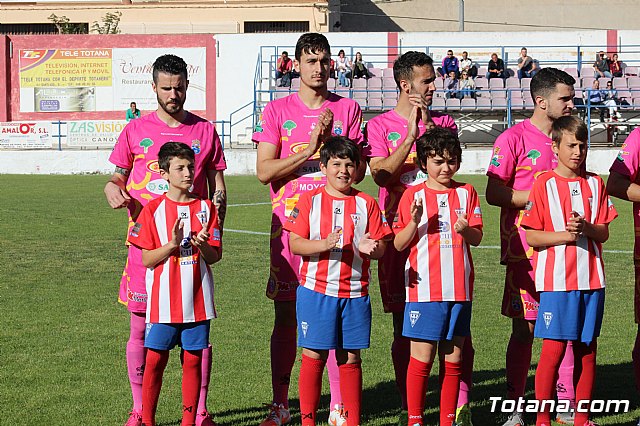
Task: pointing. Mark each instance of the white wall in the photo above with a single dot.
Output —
(239, 161)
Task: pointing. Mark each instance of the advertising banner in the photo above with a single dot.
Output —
(22, 135)
(100, 133)
(76, 80)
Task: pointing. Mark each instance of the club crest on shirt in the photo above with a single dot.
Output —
(355, 217)
(338, 128)
(414, 316)
(548, 316)
(195, 146)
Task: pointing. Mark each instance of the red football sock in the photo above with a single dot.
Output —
(310, 386)
(283, 356)
(400, 354)
(351, 390)
(518, 363)
(417, 379)
(635, 355)
(584, 373)
(547, 375)
(155, 364)
(449, 392)
(466, 379)
(191, 374)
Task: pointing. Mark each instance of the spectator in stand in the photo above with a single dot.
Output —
(451, 85)
(343, 68)
(466, 64)
(466, 86)
(601, 66)
(611, 100)
(284, 66)
(449, 63)
(615, 66)
(133, 112)
(359, 68)
(332, 69)
(527, 66)
(597, 98)
(495, 67)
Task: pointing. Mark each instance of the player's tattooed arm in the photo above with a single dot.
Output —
(122, 171)
(220, 201)
(218, 193)
(115, 190)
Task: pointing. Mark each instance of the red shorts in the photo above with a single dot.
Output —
(520, 298)
(391, 277)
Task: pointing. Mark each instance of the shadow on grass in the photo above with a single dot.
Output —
(614, 381)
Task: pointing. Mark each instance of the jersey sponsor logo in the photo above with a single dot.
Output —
(145, 144)
(259, 126)
(443, 226)
(185, 244)
(394, 137)
(195, 146)
(216, 234)
(533, 155)
(153, 166)
(339, 244)
(158, 186)
(307, 186)
(414, 316)
(136, 297)
(289, 125)
(295, 212)
(477, 211)
(305, 326)
(528, 206)
(548, 316)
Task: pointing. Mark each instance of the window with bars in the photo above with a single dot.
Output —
(276, 26)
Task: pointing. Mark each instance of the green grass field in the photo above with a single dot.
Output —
(62, 334)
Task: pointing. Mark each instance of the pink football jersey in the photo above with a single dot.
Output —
(520, 154)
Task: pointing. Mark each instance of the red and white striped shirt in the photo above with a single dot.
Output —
(577, 265)
(439, 267)
(181, 288)
(341, 272)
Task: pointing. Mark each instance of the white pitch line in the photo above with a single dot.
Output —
(248, 204)
(242, 231)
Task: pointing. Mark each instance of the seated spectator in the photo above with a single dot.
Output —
(612, 101)
(615, 66)
(359, 68)
(332, 69)
(527, 66)
(449, 63)
(466, 86)
(466, 64)
(597, 98)
(601, 66)
(343, 68)
(284, 66)
(133, 112)
(496, 67)
(451, 85)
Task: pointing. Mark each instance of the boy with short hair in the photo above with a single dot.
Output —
(437, 219)
(567, 219)
(179, 237)
(337, 230)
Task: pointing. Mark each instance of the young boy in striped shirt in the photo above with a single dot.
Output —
(337, 230)
(437, 219)
(567, 219)
(179, 237)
